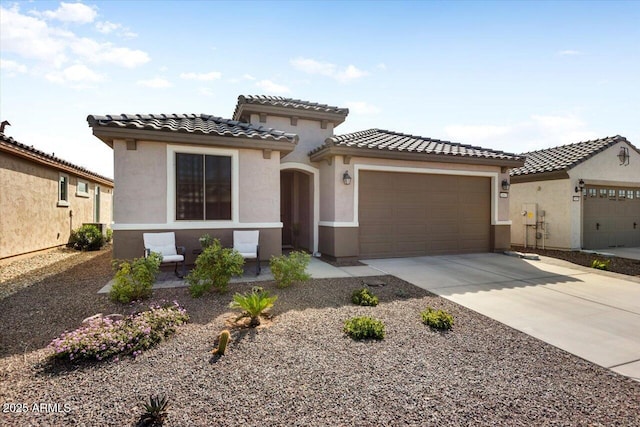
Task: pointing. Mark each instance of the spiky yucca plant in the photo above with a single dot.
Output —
(253, 304)
(155, 411)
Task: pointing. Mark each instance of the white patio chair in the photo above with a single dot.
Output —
(165, 245)
(247, 243)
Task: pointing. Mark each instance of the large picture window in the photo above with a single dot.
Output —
(203, 187)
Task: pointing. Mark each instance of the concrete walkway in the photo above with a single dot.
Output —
(592, 314)
(317, 269)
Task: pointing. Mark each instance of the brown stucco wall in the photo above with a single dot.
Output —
(338, 242)
(128, 244)
(30, 219)
(500, 237)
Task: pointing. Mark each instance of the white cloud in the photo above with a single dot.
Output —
(535, 133)
(271, 87)
(363, 108)
(381, 66)
(106, 27)
(569, 52)
(155, 83)
(213, 75)
(78, 76)
(12, 67)
(71, 12)
(34, 38)
(248, 77)
(311, 66)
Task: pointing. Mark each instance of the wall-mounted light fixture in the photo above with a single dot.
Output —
(623, 156)
(580, 186)
(505, 185)
(346, 178)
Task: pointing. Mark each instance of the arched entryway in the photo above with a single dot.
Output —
(298, 214)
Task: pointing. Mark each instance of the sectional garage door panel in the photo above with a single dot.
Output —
(402, 214)
(611, 217)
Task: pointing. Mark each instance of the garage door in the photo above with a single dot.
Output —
(611, 217)
(403, 214)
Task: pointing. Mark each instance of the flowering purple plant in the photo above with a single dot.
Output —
(103, 338)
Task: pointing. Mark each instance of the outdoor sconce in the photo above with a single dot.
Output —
(580, 186)
(623, 156)
(505, 185)
(346, 178)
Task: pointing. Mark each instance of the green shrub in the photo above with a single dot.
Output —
(214, 267)
(253, 304)
(103, 338)
(438, 319)
(86, 238)
(364, 297)
(205, 241)
(363, 327)
(134, 279)
(109, 236)
(600, 264)
(288, 269)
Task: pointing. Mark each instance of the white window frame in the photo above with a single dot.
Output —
(171, 185)
(79, 193)
(63, 202)
(97, 196)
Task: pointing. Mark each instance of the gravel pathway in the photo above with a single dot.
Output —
(301, 370)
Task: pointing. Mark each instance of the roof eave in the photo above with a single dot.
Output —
(335, 118)
(329, 151)
(109, 134)
(540, 176)
(24, 154)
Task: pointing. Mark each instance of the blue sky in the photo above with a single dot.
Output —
(513, 76)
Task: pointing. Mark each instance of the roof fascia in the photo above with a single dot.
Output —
(107, 135)
(328, 152)
(273, 110)
(541, 176)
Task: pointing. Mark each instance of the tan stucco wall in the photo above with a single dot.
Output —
(259, 186)
(141, 182)
(310, 134)
(605, 168)
(555, 197)
(339, 242)
(30, 219)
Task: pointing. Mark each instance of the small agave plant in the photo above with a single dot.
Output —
(155, 412)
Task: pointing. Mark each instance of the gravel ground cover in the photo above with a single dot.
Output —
(301, 369)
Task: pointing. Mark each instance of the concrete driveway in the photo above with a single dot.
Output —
(632, 253)
(592, 314)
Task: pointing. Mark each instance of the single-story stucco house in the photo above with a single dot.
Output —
(278, 167)
(43, 198)
(579, 196)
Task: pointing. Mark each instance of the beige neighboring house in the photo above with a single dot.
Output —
(579, 196)
(278, 167)
(43, 198)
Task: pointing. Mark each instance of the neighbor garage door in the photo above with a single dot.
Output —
(403, 214)
(611, 217)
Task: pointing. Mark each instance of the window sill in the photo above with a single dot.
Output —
(62, 204)
(85, 195)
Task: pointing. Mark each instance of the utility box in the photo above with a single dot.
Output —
(529, 213)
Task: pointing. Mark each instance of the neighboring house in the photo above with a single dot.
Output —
(373, 193)
(43, 198)
(584, 195)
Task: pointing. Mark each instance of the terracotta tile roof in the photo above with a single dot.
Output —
(202, 124)
(294, 104)
(564, 157)
(379, 139)
(10, 145)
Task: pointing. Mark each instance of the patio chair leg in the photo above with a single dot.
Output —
(180, 276)
(258, 267)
